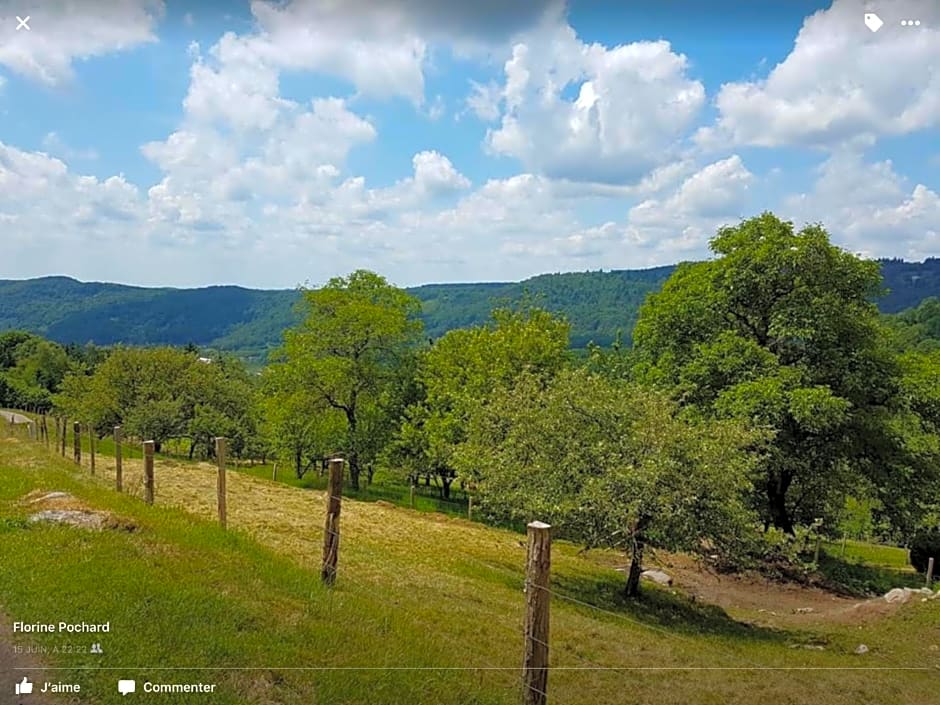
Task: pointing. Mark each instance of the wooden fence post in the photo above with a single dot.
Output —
(148, 471)
(331, 533)
(118, 461)
(535, 658)
(411, 488)
(470, 507)
(220, 448)
(65, 433)
(930, 565)
(91, 447)
(77, 442)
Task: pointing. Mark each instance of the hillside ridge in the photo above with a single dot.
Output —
(249, 322)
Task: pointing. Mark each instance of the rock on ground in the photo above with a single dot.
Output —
(861, 649)
(657, 576)
(82, 520)
(902, 595)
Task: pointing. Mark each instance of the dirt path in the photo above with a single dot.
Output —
(10, 675)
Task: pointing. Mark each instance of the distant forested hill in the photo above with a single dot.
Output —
(250, 321)
(246, 321)
(598, 304)
(909, 283)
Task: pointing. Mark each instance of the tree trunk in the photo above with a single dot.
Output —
(632, 588)
(298, 465)
(157, 446)
(445, 486)
(354, 468)
(777, 487)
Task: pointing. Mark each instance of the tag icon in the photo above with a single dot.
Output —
(873, 21)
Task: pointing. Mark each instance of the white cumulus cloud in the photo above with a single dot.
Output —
(63, 32)
(840, 83)
(634, 105)
(869, 208)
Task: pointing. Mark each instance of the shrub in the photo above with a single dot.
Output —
(926, 543)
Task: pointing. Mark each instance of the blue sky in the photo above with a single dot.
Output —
(269, 144)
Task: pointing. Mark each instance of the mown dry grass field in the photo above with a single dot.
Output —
(427, 608)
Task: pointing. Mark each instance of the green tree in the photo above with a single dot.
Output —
(357, 332)
(301, 428)
(916, 329)
(780, 330)
(612, 464)
(164, 393)
(462, 371)
(31, 370)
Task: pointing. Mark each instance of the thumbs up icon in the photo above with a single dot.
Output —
(24, 688)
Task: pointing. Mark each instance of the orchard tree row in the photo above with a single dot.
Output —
(763, 394)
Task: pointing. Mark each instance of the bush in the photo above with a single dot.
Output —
(926, 543)
(772, 553)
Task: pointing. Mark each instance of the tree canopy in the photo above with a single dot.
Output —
(612, 464)
(779, 330)
(356, 332)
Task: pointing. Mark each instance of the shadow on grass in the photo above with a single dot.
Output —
(860, 580)
(660, 608)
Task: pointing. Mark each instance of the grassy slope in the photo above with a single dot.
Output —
(415, 590)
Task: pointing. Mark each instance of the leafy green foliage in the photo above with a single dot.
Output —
(779, 331)
(916, 329)
(464, 370)
(163, 393)
(357, 333)
(31, 370)
(300, 428)
(611, 464)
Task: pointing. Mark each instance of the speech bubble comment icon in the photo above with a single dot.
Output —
(873, 21)
(127, 686)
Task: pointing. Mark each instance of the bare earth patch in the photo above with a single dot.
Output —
(759, 600)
